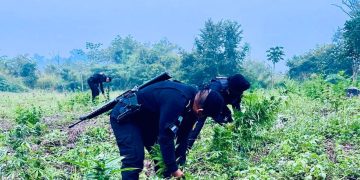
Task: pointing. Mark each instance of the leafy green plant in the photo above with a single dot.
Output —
(107, 93)
(315, 87)
(259, 113)
(28, 116)
(76, 100)
(156, 156)
(24, 162)
(11, 84)
(98, 133)
(100, 168)
(231, 142)
(315, 135)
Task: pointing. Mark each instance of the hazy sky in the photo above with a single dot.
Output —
(49, 27)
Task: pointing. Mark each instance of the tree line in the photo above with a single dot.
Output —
(219, 50)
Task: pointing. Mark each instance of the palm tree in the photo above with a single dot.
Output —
(275, 54)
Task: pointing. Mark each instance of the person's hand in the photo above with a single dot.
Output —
(177, 174)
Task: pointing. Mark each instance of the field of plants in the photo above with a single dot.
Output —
(294, 131)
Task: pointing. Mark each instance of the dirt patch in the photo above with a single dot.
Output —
(257, 157)
(57, 122)
(75, 132)
(53, 143)
(149, 168)
(281, 121)
(5, 125)
(325, 111)
(53, 121)
(347, 147)
(330, 146)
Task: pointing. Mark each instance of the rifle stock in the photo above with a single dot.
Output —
(111, 104)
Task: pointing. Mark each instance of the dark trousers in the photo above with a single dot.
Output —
(132, 136)
(130, 143)
(94, 89)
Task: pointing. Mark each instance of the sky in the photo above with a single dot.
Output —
(51, 27)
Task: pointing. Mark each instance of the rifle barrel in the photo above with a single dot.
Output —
(111, 104)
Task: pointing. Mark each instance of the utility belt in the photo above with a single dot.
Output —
(129, 105)
(126, 107)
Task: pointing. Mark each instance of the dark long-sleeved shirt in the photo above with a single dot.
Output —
(97, 80)
(170, 100)
(229, 97)
(220, 85)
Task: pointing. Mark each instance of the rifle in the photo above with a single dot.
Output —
(111, 104)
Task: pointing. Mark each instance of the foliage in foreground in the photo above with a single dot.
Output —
(315, 136)
(300, 131)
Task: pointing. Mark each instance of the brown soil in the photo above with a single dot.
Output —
(149, 168)
(74, 132)
(330, 146)
(5, 125)
(257, 157)
(348, 147)
(77, 130)
(51, 121)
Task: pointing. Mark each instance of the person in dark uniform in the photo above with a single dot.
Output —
(167, 110)
(95, 81)
(231, 89)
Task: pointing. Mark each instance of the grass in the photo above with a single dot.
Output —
(301, 134)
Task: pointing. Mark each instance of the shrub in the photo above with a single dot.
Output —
(28, 115)
(259, 113)
(231, 142)
(11, 84)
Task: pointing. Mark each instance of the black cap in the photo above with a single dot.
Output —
(238, 83)
(213, 104)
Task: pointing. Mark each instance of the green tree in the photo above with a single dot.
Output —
(2, 63)
(326, 60)
(22, 67)
(28, 72)
(257, 73)
(97, 55)
(218, 51)
(351, 33)
(121, 49)
(350, 7)
(352, 40)
(190, 69)
(78, 59)
(275, 54)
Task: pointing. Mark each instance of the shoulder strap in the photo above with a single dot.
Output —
(224, 83)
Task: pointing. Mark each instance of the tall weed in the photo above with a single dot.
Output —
(231, 142)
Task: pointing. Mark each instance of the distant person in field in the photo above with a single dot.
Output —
(95, 82)
(231, 89)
